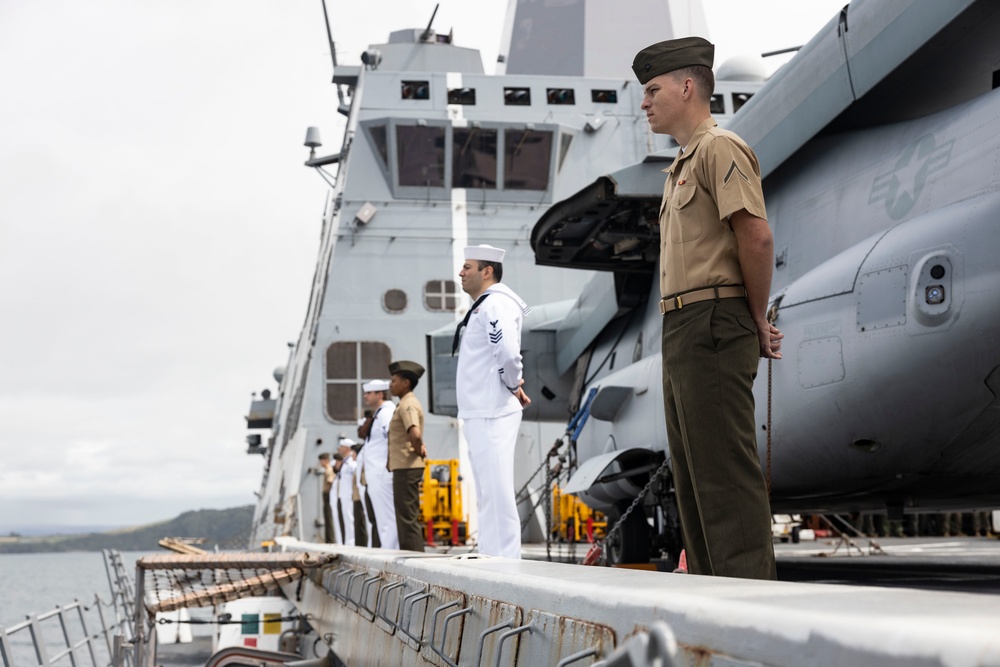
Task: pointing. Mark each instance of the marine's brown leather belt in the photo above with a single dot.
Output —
(671, 303)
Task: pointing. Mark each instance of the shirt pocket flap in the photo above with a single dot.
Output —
(682, 195)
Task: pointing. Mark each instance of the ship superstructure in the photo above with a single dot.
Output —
(438, 155)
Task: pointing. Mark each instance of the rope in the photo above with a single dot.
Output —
(769, 429)
(772, 317)
(215, 621)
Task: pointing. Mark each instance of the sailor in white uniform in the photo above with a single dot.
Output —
(377, 474)
(345, 491)
(490, 397)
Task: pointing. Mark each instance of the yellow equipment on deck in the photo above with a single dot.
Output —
(441, 503)
(573, 521)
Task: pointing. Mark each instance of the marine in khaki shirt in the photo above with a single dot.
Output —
(408, 413)
(697, 244)
(407, 453)
(716, 255)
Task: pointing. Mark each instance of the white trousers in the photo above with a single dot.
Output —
(347, 513)
(380, 491)
(491, 453)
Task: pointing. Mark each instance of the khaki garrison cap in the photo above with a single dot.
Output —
(671, 55)
(410, 366)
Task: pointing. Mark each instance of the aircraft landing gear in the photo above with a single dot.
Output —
(632, 541)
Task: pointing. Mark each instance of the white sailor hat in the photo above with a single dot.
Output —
(346, 442)
(376, 385)
(485, 253)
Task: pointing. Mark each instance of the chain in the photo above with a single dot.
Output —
(557, 445)
(600, 552)
(769, 429)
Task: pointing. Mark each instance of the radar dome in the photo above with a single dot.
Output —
(742, 68)
(278, 373)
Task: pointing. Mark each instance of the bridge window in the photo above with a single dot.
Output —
(462, 96)
(349, 364)
(415, 90)
(517, 97)
(739, 99)
(527, 154)
(560, 95)
(604, 96)
(420, 152)
(474, 158)
(717, 104)
(441, 295)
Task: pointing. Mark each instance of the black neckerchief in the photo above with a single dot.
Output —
(458, 329)
(367, 437)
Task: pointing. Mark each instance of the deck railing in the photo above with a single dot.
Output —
(63, 636)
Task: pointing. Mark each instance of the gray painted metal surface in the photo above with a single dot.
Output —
(439, 610)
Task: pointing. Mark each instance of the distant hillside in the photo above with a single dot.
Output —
(227, 529)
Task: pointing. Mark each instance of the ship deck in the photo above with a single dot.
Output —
(823, 583)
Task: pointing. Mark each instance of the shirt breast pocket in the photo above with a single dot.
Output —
(686, 218)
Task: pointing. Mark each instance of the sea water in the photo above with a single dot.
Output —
(35, 584)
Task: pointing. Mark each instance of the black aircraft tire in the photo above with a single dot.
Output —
(631, 543)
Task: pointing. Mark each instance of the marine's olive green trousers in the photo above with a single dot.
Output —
(406, 497)
(710, 359)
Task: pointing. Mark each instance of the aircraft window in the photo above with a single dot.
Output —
(349, 364)
(560, 96)
(378, 136)
(739, 99)
(394, 301)
(415, 90)
(527, 154)
(517, 97)
(474, 158)
(441, 295)
(608, 96)
(420, 152)
(462, 96)
(718, 104)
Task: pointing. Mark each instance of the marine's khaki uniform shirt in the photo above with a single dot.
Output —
(328, 477)
(408, 413)
(715, 176)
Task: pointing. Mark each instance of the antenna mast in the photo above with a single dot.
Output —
(333, 49)
(427, 31)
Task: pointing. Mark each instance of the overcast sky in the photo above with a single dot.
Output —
(158, 230)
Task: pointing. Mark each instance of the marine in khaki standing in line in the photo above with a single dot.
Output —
(716, 258)
(407, 453)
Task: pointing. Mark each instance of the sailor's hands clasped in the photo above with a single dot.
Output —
(521, 396)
